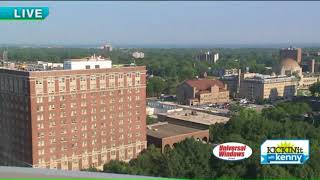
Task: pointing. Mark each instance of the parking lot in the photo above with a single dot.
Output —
(224, 107)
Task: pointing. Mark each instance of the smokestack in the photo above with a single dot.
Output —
(312, 65)
(299, 55)
(239, 81)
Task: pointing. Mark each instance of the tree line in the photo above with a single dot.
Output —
(167, 67)
(193, 159)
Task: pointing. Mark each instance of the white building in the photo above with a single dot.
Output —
(208, 56)
(5, 56)
(215, 57)
(138, 55)
(154, 107)
(88, 63)
(49, 66)
(107, 47)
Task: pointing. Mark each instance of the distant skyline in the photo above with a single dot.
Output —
(167, 24)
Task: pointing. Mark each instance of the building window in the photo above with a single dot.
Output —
(52, 149)
(38, 82)
(39, 100)
(73, 121)
(83, 103)
(62, 98)
(52, 123)
(53, 140)
(39, 108)
(73, 105)
(51, 85)
(62, 106)
(51, 115)
(40, 117)
(73, 113)
(39, 86)
(51, 98)
(40, 143)
(40, 126)
(138, 74)
(121, 137)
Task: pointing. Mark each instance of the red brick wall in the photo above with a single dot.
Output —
(93, 101)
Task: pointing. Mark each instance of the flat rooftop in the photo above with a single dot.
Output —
(196, 117)
(89, 59)
(165, 129)
(66, 72)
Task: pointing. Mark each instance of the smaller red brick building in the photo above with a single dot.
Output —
(165, 135)
(202, 91)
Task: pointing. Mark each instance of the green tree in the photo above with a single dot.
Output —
(115, 166)
(151, 163)
(273, 171)
(150, 88)
(151, 120)
(155, 86)
(189, 159)
(186, 73)
(315, 89)
(193, 159)
(91, 169)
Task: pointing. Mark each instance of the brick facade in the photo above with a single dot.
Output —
(202, 91)
(72, 119)
(166, 135)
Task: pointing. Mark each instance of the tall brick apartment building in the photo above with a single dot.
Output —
(72, 119)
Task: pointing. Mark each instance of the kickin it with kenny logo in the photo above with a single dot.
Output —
(284, 151)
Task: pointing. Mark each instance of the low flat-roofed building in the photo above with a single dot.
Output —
(138, 55)
(269, 87)
(254, 86)
(193, 119)
(307, 80)
(165, 135)
(93, 62)
(155, 106)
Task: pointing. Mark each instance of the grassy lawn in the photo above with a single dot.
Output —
(303, 92)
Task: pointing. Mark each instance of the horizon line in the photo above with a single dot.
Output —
(159, 45)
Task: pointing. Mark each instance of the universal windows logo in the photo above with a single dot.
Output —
(23, 13)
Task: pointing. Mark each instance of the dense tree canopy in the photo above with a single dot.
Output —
(193, 159)
(155, 86)
(190, 158)
(315, 89)
(151, 120)
(172, 65)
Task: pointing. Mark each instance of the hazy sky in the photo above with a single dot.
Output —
(167, 23)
